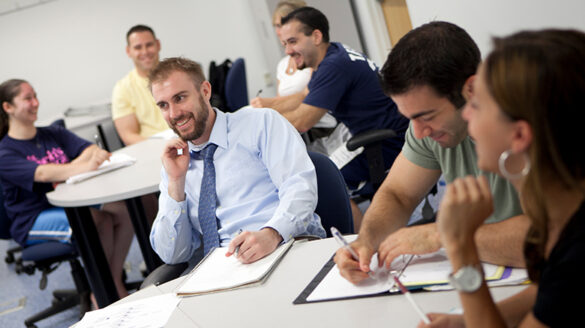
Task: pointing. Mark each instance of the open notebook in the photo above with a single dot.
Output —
(116, 161)
(216, 272)
(420, 272)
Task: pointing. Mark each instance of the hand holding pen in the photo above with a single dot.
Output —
(348, 268)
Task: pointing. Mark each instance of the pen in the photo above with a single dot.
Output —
(237, 250)
(258, 93)
(343, 243)
(408, 295)
(98, 141)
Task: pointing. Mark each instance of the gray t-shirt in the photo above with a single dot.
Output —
(461, 161)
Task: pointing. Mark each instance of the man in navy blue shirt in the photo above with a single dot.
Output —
(345, 84)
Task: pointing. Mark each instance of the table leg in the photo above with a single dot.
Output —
(91, 251)
(142, 231)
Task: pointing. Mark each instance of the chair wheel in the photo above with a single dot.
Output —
(30, 325)
(9, 258)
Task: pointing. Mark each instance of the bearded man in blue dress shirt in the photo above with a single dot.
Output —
(266, 187)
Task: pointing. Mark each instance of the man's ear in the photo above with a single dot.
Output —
(205, 90)
(128, 50)
(317, 37)
(467, 90)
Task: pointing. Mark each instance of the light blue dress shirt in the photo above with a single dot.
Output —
(264, 178)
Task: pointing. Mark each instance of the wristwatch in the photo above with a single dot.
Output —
(467, 279)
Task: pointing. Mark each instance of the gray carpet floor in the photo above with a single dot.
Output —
(14, 288)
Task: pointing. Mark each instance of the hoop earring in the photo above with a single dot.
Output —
(513, 176)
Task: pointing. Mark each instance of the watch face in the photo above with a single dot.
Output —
(467, 279)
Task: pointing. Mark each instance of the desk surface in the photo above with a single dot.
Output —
(136, 180)
(271, 305)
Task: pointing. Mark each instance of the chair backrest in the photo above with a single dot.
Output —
(333, 204)
(236, 86)
(109, 136)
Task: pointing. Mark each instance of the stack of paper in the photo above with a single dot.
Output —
(423, 271)
(216, 272)
(116, 161)
(148, 312)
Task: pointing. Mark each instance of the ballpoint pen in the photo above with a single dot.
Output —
(343, 243)
(237, 250)
(258, 93)
(408, 295)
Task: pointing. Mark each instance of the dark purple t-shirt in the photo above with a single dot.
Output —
(25, 199)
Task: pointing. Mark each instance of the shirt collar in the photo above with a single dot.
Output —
(218, 133)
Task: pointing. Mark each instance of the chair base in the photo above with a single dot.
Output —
(62, 300)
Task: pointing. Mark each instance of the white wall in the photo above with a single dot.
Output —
(73, 51)
(483, 19)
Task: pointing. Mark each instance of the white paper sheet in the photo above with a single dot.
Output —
(150, 312)
(427, 269)
(218, 272)
(116, 161)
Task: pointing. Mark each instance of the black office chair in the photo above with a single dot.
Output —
(332, 207)
(46, 257)
(108, 136)
(372, 142)
(236, 86)
(333, 204)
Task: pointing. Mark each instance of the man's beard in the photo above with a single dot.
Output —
(200, 124)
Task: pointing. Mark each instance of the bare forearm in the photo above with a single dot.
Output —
(85, 154)
(502, 243)
(130, 138)
(515, 308)
(176, 189)
(59, 172)
(385, 215)
(285, 104)
(479, 309)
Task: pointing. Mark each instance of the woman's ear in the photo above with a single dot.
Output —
(6, 107)
(467, 90)
(522, 137)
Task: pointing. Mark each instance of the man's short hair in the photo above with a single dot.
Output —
(138, 28)
(440, 55)
(312, 19)
(170, 65)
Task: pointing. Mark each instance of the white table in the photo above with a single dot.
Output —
(270, 305)
(128, 183)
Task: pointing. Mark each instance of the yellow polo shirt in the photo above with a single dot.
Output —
(131, 95)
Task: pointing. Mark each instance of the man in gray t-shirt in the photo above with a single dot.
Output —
(429, 75)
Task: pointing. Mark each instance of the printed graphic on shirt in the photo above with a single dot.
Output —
(356, 56)
(54, 156)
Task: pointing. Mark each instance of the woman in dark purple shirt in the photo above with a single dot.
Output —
(34, 160)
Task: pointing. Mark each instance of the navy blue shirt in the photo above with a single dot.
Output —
(346, 84)
(24, 199)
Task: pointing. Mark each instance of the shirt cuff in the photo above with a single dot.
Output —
(174, 209)
(284, 225)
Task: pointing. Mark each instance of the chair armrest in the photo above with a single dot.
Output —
(164, 273)
(369, 137)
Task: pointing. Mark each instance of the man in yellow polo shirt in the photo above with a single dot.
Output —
(134, 111)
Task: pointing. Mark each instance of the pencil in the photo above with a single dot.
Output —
(408, 295)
